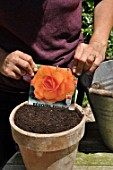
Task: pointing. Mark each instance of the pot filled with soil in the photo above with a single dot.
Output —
(50, 144)
(49, 126)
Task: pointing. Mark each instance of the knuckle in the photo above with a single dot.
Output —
(17, 60)
(82, 60)
(26, 65)
(29, 58)
(90, 60)
(83, 45)
(91, 48)
(96, 65)
(16, 52)
(7, 72)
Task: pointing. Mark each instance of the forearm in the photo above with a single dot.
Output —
(89, 56)
(103, 22)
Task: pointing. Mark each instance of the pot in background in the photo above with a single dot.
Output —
(101, 99)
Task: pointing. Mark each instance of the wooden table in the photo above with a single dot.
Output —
(92, 154)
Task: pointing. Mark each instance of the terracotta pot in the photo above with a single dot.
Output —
(55, 151)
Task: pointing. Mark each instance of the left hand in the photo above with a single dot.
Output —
(88, 57)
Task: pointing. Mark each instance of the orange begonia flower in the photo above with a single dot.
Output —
(52, 84)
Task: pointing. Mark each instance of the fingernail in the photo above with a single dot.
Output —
(74, 69)
(78, 74)
(35, 69)
(32, 74)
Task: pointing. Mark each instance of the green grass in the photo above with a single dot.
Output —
(85, 101)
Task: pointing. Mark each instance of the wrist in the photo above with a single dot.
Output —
(99, 44)
(3, 54)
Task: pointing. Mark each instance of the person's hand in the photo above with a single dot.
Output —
(17, 64)
(88, 57)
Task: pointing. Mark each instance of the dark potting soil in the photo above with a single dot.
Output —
(45, 120)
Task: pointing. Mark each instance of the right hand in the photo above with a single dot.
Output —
(88, 57)
(17, 64)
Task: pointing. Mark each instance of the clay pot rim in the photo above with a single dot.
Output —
(102, 92)
(35, 135)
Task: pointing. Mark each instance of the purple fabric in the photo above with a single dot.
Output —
(49, 30)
